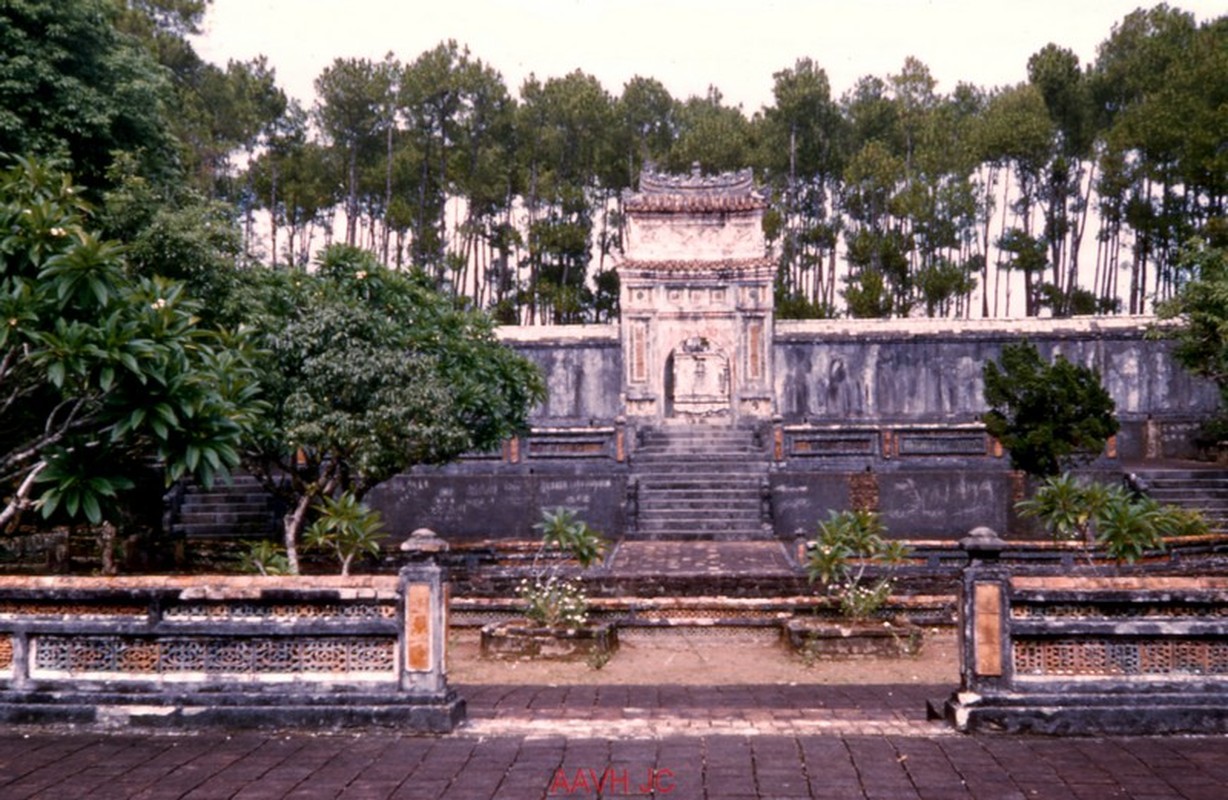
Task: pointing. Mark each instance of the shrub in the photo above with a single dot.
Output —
(849, 543)
(1047, 415)
(550, 599)
(266, 558)
(1123, 524)
(348, 528)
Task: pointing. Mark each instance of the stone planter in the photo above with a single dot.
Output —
(520, 639)
(825, 639)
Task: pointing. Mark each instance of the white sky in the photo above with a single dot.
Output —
(734, 45)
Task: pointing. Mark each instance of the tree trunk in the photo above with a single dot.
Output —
(21, 499)
(293, 524)
(351, 211)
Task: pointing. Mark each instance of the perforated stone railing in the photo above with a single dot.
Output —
(1050, 652)
(263, 651)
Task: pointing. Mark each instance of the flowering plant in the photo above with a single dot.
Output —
(551, 599)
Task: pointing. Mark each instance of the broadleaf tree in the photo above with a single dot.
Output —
(368, 372)
(103, 371)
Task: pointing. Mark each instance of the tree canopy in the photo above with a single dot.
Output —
(103, 371)
(369, 371)
(1048, 416)
(1069, 192)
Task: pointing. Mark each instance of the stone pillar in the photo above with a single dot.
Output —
(424, 594)
(984, 657)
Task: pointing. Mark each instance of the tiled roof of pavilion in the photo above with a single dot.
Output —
(662, 193)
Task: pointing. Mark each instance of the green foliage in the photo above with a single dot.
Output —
(73, 87)
(346, 527)
(560, 528)
(849, 543)
(1065, 506)
(1201, 307)
(550, 599)
(265, 558)
(369, 372)
(1124, 525)
(1046, 415)
(104, 372)
(1127, 528)
(554, 602)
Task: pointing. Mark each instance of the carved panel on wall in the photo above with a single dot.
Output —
(1142, 657)
(700, 378)
(195, 612)
(144, 657)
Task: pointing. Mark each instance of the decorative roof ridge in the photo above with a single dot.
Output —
(667, 189)
(697, 263)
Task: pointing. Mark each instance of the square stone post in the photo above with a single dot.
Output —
(424, 594)
(984, 637)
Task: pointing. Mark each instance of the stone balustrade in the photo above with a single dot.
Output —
(1057, 652)
(246, 651)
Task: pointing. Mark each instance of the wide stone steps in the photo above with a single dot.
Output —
(699, 484)
(1203, 490)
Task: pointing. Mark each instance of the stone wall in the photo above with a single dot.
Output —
(583, 367)
(929, 371)
(253, 651)
(887, 405)
(1072, 651)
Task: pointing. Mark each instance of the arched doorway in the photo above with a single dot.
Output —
(697, 382)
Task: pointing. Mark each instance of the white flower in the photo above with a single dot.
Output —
(360, 274)
(159, 304)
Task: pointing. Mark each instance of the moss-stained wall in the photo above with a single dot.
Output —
(929, 371)
(583, 368)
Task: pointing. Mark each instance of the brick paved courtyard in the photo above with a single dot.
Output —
(773, 742)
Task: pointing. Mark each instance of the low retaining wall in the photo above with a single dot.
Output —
(238, 651)
(1053, 653)
(502, 496)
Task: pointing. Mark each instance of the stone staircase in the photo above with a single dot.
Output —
(241, 510)
(1204, 490)
(699, 483)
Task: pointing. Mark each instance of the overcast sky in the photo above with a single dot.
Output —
(688, 45)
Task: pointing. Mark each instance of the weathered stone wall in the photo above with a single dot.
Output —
(1072, 651)
(896, 371)
(929, 371)
(476, 501)
(583, 368)
(245, 651)
(887, 405)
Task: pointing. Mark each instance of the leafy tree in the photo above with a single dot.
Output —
(368, 372)
(717, 137)
(1047, 415)
(801, 158)
(1201, 306)
(103, 370)
(73, 87)
(351, 113)
(565, 126)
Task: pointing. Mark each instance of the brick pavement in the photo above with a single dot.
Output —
(703, 742)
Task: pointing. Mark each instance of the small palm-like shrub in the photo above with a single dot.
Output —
(266, 558)
(1125, 525)
(849, 543)
(1066, 507)
(348, 528)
